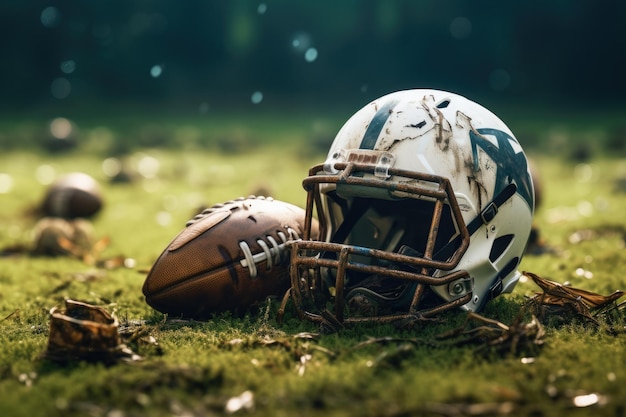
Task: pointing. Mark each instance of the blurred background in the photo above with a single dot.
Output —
(172, 106)
(128, 61)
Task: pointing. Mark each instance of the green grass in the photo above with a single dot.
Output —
(198, 366)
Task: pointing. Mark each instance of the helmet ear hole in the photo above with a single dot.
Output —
(500, 245)
(443, 103)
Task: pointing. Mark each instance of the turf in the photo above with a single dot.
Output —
(252, 364)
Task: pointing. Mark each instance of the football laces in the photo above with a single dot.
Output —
(274, 253)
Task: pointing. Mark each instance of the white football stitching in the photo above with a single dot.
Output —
(272, 253)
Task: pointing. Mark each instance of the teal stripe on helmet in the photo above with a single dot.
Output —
(376, 125)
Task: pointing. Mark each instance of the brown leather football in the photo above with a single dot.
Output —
(228, 258)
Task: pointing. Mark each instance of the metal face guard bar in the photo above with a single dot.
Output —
(304, 265)
(304, 253)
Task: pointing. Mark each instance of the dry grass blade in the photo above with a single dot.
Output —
(14, 315)
(560, 294)
(557, 298)
(496, 336)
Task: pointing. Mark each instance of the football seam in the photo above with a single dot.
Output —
(230, 264)
(272, 255)
(187, 280)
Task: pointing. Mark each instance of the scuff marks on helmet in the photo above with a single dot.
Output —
(510, 162)
(410, 131)
(387, 144)
(474, 178)
(428, 119)
(418, 125)
(442, 126)
(475, 184)
(444, 132)
(472, 163)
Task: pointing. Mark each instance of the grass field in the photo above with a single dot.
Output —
(251, 365)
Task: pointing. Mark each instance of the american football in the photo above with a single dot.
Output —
(71, 196)
(228, 258)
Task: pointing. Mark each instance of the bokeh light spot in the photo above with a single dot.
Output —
(156, 71)
(460, 28)
(68, 66)
(60, 88)
(583, 172)
(6, 183)
(586, 400)
(262, 8)
(301, 42)
(163, 218)
(111, 167)
(170, 202)
(148, 166)
(50, 17)
(257, 97)
(310, 55)
(45, 174)
(61, 128)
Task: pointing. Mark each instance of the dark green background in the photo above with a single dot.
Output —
(216, 54)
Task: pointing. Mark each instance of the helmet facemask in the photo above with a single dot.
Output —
(388, 236)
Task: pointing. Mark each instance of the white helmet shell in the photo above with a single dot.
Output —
(438, 134)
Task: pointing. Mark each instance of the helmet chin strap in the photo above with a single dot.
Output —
(489, 212)
(351, 218)
(483, 218)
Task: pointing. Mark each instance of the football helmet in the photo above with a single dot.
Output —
(425, 204)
